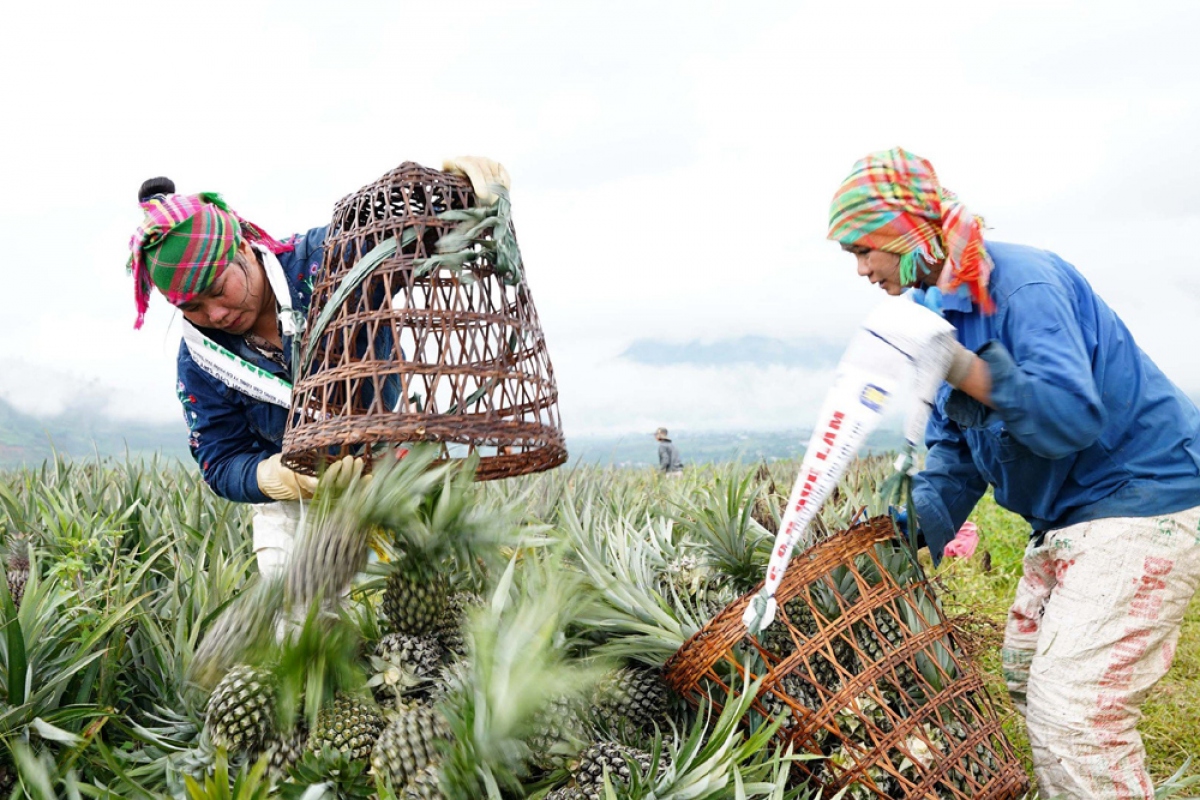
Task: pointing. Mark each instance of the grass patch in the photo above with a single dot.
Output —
(1171, 722)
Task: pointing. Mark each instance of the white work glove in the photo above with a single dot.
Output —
(483, 173)
(280, 483)
(932, 347)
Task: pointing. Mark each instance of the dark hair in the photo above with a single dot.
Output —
(153, 186)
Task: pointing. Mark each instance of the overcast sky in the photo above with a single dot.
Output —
(672, 166)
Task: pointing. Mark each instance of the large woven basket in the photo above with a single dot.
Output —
(455, 357)
(867, 666)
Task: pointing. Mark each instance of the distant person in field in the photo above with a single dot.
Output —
(668, 454)
(244, 296)
(1047, 399)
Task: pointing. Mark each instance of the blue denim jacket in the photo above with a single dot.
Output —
(1085, 425)
(230, 433)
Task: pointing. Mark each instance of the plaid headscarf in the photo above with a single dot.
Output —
(893, 202)
(184, 244)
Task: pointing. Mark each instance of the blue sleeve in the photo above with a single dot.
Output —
(1042, 385)
(220, 437)
(946, 491)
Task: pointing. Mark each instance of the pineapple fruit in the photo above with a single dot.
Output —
(349, 725)
(404, 664)
(415, 597)
(632, 699)
(17, 567)
(408, 746)
(618, 761)
(449, 624)
(240, 711)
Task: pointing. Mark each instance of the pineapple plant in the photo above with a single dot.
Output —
(445, 535)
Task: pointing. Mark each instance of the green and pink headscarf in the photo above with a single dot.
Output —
(184, 244)
(893, 202)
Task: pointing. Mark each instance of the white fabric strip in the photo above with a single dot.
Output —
(234, 371)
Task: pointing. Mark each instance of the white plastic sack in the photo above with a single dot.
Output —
(275, 526)
(899, 342)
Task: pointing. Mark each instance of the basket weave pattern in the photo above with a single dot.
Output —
(867, 666)
(457, 359)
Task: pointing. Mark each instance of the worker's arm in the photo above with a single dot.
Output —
(977, 381)
(946, 491)
(1043, 390)
(220, 438)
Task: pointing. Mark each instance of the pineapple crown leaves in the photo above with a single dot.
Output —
(244, 625)
(454, 520)
(517, 665)
(716, 756)
(619, 563)
(250, 783)
(334, 544)
(311, 665)
(480, 230)
(723, 525)
(328, 775)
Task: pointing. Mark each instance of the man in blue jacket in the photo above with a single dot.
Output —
(243, 296)
(1049, 400)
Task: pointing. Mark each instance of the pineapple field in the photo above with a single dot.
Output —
(434, 637)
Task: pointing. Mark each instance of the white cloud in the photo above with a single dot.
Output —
(672, 164)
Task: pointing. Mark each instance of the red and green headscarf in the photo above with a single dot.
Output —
(184, 244)
(893, 202)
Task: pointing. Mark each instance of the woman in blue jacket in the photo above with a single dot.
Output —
(243, 296)
(1048, 400)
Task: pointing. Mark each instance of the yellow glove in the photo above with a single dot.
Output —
(483, 173)
(280, 483)
(340, 474)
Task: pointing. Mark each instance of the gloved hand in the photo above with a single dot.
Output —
(964, 542)
(483, 173)
(280, 483)
(900, 515)
(899, 326)
(340, 474)
(942, 359)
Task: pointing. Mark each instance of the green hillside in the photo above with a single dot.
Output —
(29, 440)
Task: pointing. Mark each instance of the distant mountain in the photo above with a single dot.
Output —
(639, 450)
(761, 351)
(29, 440)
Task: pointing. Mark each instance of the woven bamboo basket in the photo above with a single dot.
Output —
(414, 353)
(867, 668)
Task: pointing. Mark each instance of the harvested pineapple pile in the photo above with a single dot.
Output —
(432, 638)
(468, 613)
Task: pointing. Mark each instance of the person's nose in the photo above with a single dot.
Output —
(863, 269)
(215, 313)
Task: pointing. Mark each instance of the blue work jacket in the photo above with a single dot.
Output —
(229, 432)
(1085, 426)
